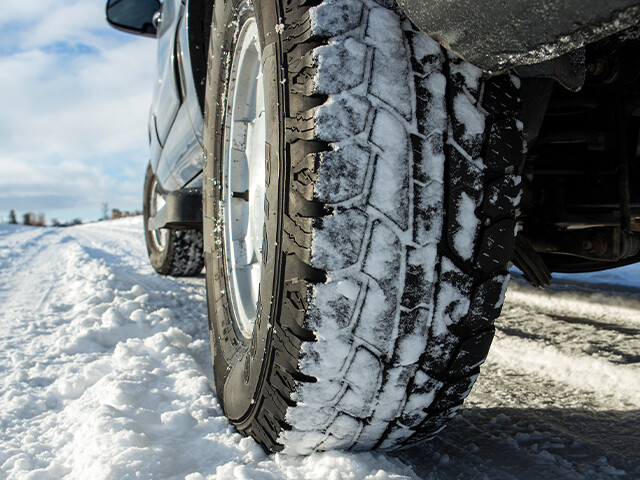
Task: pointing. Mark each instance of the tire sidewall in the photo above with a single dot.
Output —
(239, 363)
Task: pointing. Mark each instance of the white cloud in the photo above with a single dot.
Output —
(79, 22)
(92, 106)
(43, 185)
(75, 101)
(20, 11)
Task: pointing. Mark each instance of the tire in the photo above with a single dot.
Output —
(391, 179)
(178, 253)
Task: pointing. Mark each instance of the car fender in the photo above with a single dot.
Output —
(496, 35)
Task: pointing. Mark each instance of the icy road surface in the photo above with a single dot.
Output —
(106, 373)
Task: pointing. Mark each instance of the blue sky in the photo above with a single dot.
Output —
(74, 98)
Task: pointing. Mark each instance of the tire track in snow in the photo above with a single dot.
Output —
(549, 403)
(581, 325)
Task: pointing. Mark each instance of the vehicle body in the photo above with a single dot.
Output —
(493, 41)
(575, 67)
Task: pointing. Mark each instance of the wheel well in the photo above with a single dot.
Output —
(581, 178)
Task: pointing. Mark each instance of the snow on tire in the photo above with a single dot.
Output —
(391, 187)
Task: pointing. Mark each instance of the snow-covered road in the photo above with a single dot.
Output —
(106, 373)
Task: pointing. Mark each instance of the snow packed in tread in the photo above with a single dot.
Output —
(404, 175)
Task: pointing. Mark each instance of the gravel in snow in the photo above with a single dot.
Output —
(106, 373)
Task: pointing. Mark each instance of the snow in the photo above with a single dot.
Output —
(463, 238)
(106, 374)
(472, 119)
(623, 276)
(340, 66)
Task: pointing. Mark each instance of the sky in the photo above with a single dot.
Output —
(74, 100)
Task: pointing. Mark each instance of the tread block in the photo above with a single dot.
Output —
(304, 174)
(501, 197)
(428, 157)
(427, 213)
(377, 319)
(452, 301)
(296, 33)
(291, 237)
(326, 394)
(412, 336)
(336, 17)
(426, 54)
(343, 429)
(344, 117)
(338, 300)
(391, 176)
(390, 66)
(505, 149)
(471, 354)
(482, 314)
(453, 393)
(433, 424)
(438, 353)
(343, 174)
(420, 395)
(353, 404)
(468, 124)
(363, 377)
(296, 269)
(417, 285)
(343, 66)
(389, 400)
(430, 101)
(464, 75)
(300, 63)
(346, 229)
(465, 196)
(500, 98)
(302, 126)
(384, 255)
(370, 434)
(496, 246)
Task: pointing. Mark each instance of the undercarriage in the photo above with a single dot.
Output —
(580, 209)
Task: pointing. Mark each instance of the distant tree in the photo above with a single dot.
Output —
(34, 220)
(76, 221)
(55, 222)
(105, 211)
(12, 217)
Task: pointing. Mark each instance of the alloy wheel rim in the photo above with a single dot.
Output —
(244, 178)
(159, 235)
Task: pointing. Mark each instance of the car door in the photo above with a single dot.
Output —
(166, 96)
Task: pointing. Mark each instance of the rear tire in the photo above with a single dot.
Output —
(178, 253)
(391, 179)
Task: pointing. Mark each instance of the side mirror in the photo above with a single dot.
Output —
(140, 17)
